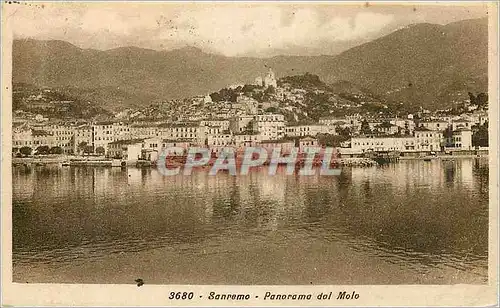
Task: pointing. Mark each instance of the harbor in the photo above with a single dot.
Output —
(241, 228)
(367, 160)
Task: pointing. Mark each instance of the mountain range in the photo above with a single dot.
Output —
(421, 64)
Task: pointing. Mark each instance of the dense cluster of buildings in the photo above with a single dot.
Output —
(145, 140)
(108, 137)
(247, 122)
(408, 136)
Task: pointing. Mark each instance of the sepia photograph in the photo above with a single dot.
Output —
(250, 144)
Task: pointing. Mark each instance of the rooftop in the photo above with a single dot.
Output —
(177, 140)
(422, 129)
(382, 136)
(36, 132)
(248, 132)
(183, 124)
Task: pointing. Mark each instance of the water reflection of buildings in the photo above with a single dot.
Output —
(256, 200)
(23, 184)
(406, 175)
(360, 204)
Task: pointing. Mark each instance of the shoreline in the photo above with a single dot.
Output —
(104, 162)
(446, 157)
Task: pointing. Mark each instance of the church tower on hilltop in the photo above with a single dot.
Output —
(270, 79)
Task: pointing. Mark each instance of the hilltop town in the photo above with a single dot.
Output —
(291, 111)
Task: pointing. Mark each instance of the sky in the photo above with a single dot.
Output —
(228, 28)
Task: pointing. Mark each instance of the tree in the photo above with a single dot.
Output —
(365, 127)
(25, 151)
(42, 150)
(344, 131)
(270, 90)
(81, 147)
(331, 140)
(56, 150)
(480, 137)
(303, 81)
(88, 149)
(216, 97)
(472, 98)
(224, 94)
(249, 88)
(100, 150)
(258, 96)
(482, 99)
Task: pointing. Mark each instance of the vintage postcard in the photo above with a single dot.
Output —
(249, 154)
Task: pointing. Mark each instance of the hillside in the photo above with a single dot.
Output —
(421, 64)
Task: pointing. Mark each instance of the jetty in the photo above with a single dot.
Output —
(384, 157)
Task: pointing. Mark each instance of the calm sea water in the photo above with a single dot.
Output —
(409, 222)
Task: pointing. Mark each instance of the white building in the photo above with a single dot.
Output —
(241, 123)
(222, 123)
(143, 130)
(22, 137)
(387, 128)
(127, 150)
(83, 134)
(436, 125)
(382, 144)
(102, 135)
(286, 146)
(407, 126)
(246, 139)
(121, 131)
(63, 135)
(309, 130)
(249, 104)
(461, 123)
(270, 126)
(351, 121)
(191, 131)
(220, 140)
(427, 140)
(307, 142)
(460, 139)
(270, 79)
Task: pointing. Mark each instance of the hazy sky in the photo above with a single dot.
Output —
(232, 29)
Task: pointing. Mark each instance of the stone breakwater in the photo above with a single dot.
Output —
(356, 162)
(101, 161)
